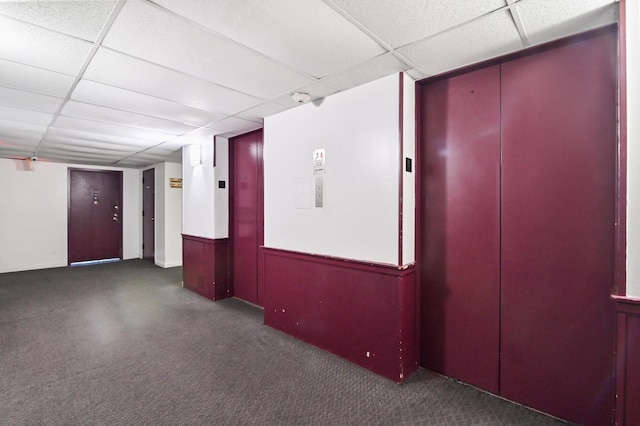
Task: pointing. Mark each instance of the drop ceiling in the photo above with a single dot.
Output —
(129, 82)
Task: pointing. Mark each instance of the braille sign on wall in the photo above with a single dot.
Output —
(319, 157)
(175, 182)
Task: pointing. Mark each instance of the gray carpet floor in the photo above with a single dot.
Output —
(125, 344)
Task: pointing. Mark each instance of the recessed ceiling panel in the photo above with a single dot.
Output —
(485, 38)
(32, 45)
(165, 39)
(543, 23)
(82, 19)
(31, 101)
(305, 34)
(14, 115)
(57, 140)
(109, 115)
(35, 80)
(112, 97)
(120, 70)
(402, 22)
(64, 122)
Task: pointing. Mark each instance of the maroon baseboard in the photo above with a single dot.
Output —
(363, 312)
(628, 361)
(205, 266)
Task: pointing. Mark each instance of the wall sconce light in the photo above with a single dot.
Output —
(195, 155)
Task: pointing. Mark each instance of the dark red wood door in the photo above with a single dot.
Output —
(95, 215)
(246, 215)
(148, 214)
(460, 229)
(558, 214)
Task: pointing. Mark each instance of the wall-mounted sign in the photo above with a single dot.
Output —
(175, 182)
(319, 158)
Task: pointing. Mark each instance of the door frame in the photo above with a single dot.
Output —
(120, 174)
(153, 231)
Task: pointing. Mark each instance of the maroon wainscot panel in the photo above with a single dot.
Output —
(205, 266)
(628, 361)
(362, 312)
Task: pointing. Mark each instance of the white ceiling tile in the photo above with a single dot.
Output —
(36, 80)
(123, 71)
(9, 114)
(25, 100)
(125, 100)
(82, 136)
(32, 45)
(266, 109)
(63, 122)
(305, 34)
(82, 19)
(51, 146)
(28, 131)
(164, 39)
(234, 125)
(109, 115)
(543, 23)
(199, 137)
(373, 69)
(66, 141)
(485, 38)
(402, 22)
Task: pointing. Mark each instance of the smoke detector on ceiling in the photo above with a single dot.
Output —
(301, 97)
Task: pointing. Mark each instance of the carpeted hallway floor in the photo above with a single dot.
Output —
(125, 344)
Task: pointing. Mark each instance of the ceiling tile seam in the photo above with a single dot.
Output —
(229, 39)
(457, 26)
(37, 67)
(517, 20)
(116, 125)
(353, 21)
(172, 121)
(179, 72)
(103, 33)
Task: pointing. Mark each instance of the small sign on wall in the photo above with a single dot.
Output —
(175, 182)
(319, 158)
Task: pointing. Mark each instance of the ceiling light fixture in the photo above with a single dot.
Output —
(301, 97)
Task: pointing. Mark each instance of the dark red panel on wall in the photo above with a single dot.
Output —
(558, 215)
(246, 217)
(460, 229)
(205, 266)
(628, 361)
(364, 313)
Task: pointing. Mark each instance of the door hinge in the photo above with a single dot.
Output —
(142, 213)
(142, 246)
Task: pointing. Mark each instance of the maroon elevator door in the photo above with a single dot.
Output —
(95, 213)
(148, 214)
(246, 218)
(558, 218)
(460, 250)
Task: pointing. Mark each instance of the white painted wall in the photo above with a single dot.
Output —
(205, 206)
(168, 216)
(409, 179)
(33, 214)
(633, 148)
(359, 130)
